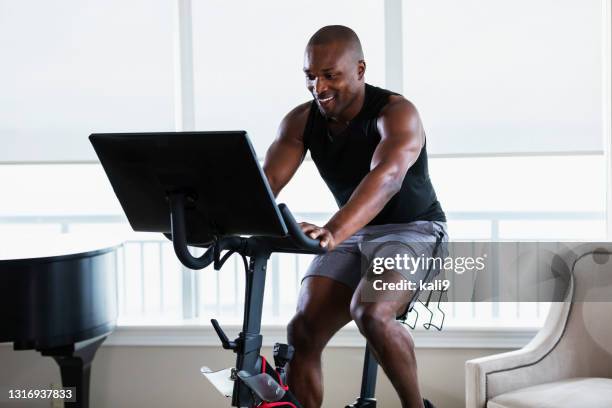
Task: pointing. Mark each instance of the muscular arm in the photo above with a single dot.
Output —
(286, 153)
(401, 142)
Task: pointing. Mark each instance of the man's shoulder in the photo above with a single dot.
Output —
(386, 102)
(398, 107)
(299, 113)
(397, 102)
(398, 117)
(294, 122)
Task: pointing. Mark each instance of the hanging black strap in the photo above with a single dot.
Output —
(409, 306)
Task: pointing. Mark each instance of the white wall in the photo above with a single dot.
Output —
(156, 377)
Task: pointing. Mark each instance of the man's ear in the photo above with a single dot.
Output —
(361, 68)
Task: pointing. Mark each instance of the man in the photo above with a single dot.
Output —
(369, 146)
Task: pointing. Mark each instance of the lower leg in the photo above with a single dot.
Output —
(306, 379)
(323, 308)
(393, 347)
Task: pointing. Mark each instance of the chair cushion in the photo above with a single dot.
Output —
(570, 393)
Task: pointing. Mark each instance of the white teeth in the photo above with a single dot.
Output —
(326, 99)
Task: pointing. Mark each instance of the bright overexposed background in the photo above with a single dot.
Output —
(510, 94)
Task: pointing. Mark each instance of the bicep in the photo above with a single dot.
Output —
(401, 140)
(282, 160)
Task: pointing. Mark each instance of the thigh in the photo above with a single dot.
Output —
(324, 303)
(390, 302)
(325, 296)
(416, 251)
(342, 265)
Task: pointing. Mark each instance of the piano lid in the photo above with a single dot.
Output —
(43, 247)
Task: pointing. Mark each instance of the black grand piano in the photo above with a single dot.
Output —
(58, 296)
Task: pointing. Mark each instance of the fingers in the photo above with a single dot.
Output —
(323, 235)
(307, 227)
(325, 239)
(311, 230)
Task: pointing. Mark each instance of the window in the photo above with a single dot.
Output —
(506, 77)
(506, 200)
(510, 94)
(71, 68)
(254, 88)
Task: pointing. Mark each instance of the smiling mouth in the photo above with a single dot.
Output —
(325, 100)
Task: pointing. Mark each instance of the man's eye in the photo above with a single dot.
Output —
(310, 77)
(330, 76)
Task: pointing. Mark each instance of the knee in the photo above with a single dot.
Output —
(302, 334)
(369, 318)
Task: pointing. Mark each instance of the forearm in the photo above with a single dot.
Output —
(273, 184)
(368, 199)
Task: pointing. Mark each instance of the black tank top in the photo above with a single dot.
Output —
(344, 160)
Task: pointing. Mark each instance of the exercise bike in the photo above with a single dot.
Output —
(207, 190)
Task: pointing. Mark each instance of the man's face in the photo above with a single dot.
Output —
(333, 77)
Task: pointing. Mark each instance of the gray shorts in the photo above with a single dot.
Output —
(348, 262)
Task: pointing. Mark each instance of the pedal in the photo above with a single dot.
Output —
(263, 385)
(283, 353)
(363, 403)
(222, 380)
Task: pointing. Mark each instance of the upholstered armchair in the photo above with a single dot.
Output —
(569, 362)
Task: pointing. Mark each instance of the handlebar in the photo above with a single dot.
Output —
(295, 242)
(179, 235)
(303, 242)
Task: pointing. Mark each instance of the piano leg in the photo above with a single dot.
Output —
(75, 363)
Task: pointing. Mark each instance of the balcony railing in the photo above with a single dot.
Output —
(154, 287)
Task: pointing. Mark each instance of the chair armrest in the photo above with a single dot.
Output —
(485, 376)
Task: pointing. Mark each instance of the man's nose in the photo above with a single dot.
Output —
(320, 86)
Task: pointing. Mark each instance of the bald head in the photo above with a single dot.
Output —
(342, 37)
(334, 68)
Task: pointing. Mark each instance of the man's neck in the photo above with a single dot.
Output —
(353, 109)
